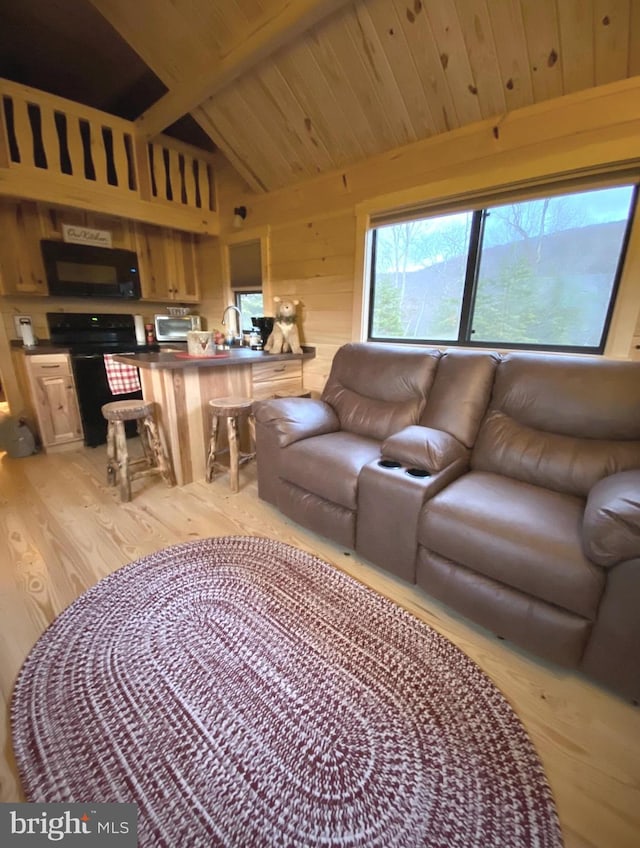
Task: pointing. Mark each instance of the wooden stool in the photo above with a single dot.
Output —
(230, 408)
(120, 470)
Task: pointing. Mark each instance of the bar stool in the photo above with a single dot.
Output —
(120, 469)
(231, 409)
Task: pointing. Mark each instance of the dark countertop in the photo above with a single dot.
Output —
(45, 346)
(233, 356)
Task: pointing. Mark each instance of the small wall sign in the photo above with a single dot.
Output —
(83, 235)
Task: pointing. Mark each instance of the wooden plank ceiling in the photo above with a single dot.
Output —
(288, 89)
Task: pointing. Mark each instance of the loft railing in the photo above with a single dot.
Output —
(55, 150)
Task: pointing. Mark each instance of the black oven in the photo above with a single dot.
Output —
(83, 270)
(87, 337)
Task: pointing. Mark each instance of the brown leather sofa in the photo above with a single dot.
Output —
(506, 486)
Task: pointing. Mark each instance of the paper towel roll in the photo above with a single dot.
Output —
(140, 334)
(26, 331)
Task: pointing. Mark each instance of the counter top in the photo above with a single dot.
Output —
(233, 356)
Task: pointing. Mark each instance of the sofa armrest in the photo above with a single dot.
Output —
(611, 523)
(424, 447)
(293, 419)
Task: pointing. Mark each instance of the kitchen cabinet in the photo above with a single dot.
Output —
(167, 265)
(21, 266)
(54, 400)
(269, 378)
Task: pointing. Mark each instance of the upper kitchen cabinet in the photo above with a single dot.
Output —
(167, 264)
(21, 267)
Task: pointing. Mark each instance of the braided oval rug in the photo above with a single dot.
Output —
(245, 693)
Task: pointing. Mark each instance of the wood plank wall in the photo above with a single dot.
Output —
(316, 230)
(313, 244)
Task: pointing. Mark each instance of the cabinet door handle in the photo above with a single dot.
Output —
(58, 365)
(279, 370)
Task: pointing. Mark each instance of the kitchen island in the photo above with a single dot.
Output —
(181, 386)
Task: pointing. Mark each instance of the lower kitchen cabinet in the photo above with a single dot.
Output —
(270, 378)
(55, 402)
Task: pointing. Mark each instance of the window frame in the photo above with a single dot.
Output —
(479, 213)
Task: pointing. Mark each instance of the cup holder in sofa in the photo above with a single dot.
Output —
(418, 472)
(389, 463)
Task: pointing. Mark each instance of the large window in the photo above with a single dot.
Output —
(540, 274)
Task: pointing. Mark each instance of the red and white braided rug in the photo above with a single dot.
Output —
(245, 693)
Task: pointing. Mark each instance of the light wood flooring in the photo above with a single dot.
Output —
(62, 529)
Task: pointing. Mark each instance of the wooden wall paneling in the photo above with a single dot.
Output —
(383, 16)
(611, 30)
(284, 145)
(315, 266)
(625, 320)
(293, 116)
(633, 51)
(186, 279)
(543, 40)
(428, 61)
(315, 81)
(345, 122)
(512, 53)
(445, 24)
(385, 76)
(122, 231)
(355, 65)
(20, 256)
(237, 126)
(208, 120)
(169, 38)
(477, 32)
(151, 247)
(576, 22)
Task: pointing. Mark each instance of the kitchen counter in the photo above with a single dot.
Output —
(168, 359)
(181, 388)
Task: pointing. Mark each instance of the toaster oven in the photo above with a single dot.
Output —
(170, 328)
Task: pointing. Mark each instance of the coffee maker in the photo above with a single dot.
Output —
(264, 325)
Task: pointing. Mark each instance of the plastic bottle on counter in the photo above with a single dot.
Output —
(151, 339)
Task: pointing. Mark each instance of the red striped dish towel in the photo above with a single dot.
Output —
(123, 379)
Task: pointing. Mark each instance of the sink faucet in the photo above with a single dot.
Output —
(238, 336)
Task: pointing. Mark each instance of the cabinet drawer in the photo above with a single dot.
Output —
(49, 365)
(264, 372)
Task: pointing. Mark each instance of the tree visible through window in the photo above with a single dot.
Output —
(540, 273)
(250, 304)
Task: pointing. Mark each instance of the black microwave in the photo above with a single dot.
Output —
(83, 270)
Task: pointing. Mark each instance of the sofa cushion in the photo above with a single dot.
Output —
(423, 447)
(521, 535)
(378, 389)
(329, 465)
(550, 421)
(551, 460)
(460, 393)
(611, 525)
(292, 419)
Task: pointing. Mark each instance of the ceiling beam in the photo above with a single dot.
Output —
(270, 32)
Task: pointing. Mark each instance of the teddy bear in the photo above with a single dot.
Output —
(284, 337)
